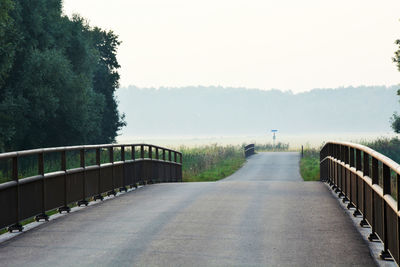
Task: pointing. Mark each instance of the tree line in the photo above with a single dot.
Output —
(58, 76)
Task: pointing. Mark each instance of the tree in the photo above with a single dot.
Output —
(57, 78)
(395, 119)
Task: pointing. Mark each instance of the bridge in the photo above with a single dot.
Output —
(264, 214)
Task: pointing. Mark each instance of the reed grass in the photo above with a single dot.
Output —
(211, 162)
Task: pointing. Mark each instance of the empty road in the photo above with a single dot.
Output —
(263, 215)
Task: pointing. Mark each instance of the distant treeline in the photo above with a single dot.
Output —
(228, 111)
(57, 78)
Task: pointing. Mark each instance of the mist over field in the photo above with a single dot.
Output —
(212, 111)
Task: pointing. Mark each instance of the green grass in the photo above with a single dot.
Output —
(221, 170)
(309, 165)
(210, 163)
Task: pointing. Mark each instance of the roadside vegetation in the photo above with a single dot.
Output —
(390, 147)
(270, 147)
(309, 164)
(210, 163)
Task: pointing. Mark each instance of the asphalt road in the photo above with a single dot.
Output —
(263, 215)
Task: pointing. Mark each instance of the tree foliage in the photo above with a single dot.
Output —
(58, 76)
(395, 119)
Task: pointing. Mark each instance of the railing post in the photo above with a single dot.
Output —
(43, 215)
(83, 165)
(347, 177)
(142, 169)
(350, 177)
(342, 176)
(98, 163)
(398, 218)
(111, 160)
(123, 188)
(386, 191)
(150, 166)
(175, 167)
(340, 159)
(321, 164)
(358, 168)
(165, 166)
(375, 180)
(156, 165)
(17, 225)
(365, 171)
(133, 155)
(180, 167)
(64, 169)
(169, 163)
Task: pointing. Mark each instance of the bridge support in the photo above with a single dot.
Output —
(364, 223)
(42, 216)
(112, 192)
(83, 202)
(124, 188)
(98, 197)
(356, 213)
(16, 226)
(373, 237)
(65, 208)
(385, 255)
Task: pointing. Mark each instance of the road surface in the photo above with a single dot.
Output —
(263, 215)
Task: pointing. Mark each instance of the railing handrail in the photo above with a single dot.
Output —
(28, 152)
(380, 157)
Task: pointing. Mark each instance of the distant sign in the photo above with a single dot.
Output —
(274, 131)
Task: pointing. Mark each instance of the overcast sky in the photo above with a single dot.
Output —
(283, 44)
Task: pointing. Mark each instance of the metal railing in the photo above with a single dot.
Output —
(249, 150)
(369, 181)
(111, 167)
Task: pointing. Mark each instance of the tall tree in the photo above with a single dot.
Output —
(395, 119)
(57, 78)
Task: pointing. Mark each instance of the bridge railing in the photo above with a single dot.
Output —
(370, 182)
(249, 150)
(77, 174)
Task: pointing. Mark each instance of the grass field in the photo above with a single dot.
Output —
(210, 163)
(309, 165)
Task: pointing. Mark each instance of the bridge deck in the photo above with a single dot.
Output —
(262, 215)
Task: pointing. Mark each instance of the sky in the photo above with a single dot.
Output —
(286, 44)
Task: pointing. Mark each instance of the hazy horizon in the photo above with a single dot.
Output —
(254, 88)
(209, 113)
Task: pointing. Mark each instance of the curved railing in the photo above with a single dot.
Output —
(98, 170)
(249, 150)
(369, 181)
